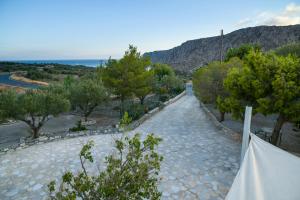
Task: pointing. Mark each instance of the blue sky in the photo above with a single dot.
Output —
(70, 29)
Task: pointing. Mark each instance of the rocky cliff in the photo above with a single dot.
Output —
(195, 53)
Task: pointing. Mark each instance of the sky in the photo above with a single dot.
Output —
(97, 29)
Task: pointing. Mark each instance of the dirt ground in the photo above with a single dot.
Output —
(290, 138)
(105, 116)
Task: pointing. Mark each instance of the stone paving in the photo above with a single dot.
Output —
(200, 160)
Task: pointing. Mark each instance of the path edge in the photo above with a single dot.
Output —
(151, 113)
(228, 131)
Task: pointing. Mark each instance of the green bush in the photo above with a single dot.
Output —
(78, 127)
(135, 111)
(38, 75)
(164, 97)
(132, 172)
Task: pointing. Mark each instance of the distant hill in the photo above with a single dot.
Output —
(195, 53)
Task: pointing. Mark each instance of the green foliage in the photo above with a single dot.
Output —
(86, 94)
(131, 173)
(78, 127)
(38, 75)
(126, 120)
(241, 51)
(270, 84)
(128, 76)
(162, 70)
(289, 49)
(32, 107)
(166, 83)
(68, 82)
(208, 80)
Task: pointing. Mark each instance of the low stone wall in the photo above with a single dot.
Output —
(236, 136)
(26, 142)
(138, 122)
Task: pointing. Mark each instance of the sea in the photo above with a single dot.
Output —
(85, 62)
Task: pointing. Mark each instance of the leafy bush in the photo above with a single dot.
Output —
(126, 120)
(293, 49)
(135, 111)
(78, 127)
(131, 173)
(38, 75)
(164, 97)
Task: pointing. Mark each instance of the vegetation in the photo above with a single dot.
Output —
(134, 76)
(208, 83)
(131, 173)
(45, 72)
(78, 127)
(86, 94)
(269, 82)
(289, 49)
(241, 51)
(128, 76)
(32, 107)
(166, 83)
(38, 75)
(126, 120)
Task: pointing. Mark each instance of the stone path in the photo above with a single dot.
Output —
(200, 161)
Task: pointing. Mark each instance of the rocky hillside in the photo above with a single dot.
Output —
(195, 53)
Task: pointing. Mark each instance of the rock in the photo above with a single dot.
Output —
(43, 139)
(196, 53)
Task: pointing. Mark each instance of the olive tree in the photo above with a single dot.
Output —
(131, 173)
(87, 94)
(32, 107)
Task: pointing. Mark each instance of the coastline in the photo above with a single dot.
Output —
(5, 87)
(26, 80)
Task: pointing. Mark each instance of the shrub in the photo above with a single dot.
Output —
(135, 111)
(131, 173)
(126, 120)
(78, 127)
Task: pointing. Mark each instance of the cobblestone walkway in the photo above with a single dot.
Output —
(200, 161)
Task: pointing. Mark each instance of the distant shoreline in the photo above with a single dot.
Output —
(26, 80)
(72, 62)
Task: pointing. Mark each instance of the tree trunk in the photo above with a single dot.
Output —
(142, 99)
(35, 132)
(276, 131)
(122, 107)
(222, 116)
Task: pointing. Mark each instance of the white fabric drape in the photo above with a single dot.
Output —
(266, 173)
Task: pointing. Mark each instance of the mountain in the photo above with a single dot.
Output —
(195, 53)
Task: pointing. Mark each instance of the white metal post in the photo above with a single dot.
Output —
(246, 131)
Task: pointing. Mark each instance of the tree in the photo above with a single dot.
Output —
(33, 107)
(241, 51)
(128, 76)
(131, 173)
(87, 94)
(161, 70)
(270, 84)
(289, 49)
(165, 80)
(209, 87)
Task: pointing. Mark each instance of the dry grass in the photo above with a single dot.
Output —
(7, 87)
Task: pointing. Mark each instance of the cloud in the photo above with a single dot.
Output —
(290, 15)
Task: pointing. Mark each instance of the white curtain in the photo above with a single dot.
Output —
(266, 173)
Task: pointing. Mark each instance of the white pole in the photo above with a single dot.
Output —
(246, 131)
